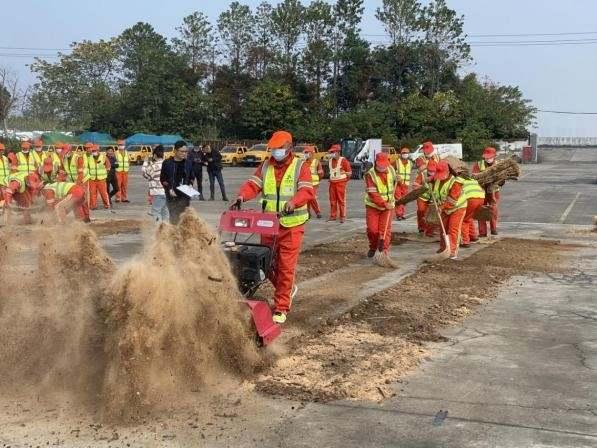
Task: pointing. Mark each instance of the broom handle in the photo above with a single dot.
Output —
(439, 216)
(381, 241)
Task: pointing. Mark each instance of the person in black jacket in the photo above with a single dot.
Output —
(175, 172)
(214, 171)
(111, 179)
(195, 161)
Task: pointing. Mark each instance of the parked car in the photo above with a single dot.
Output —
(233, 154)
(300, 148)
(255, 155)
(138, 153)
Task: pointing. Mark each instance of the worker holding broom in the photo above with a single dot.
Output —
(316, 175)
(448, 192)
(380, 199)
(426, 173)
(403, 169)
(284, 183)
(492, 196)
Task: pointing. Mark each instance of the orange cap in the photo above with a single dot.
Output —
(279, 140)
(428, 148)
(382, 160)
(25, 145)
(335, 148)
(404, 150)
(489, 152)
(443, 170)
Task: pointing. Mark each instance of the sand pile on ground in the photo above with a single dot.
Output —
(126, 339)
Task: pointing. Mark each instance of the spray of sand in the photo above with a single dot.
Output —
(126, 339)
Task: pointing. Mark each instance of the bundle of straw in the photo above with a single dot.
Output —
(498, 173)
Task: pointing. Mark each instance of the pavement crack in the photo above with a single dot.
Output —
(582, 356)
(480, 334)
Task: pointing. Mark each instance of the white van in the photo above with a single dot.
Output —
(443, 150)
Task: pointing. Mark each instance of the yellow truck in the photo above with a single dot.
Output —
(256, 155)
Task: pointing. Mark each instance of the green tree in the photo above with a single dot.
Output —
(270, 105)
(287, 26)
(235, 26)
(263, 51)
(196, 43)
(401, 19)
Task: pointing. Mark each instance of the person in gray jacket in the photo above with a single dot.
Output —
(151, 171)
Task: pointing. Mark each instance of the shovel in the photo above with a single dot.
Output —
(380, 258)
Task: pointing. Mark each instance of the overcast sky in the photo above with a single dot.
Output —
(559, 77)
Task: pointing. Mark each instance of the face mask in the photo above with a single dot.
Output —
(59, 150)
(404, 156)
(121, 148)
(94, 153)
(279, 154)
(25, 151)
(38, 149)
(489, 160)
(336, 155)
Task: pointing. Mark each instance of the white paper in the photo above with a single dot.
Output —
(189, 191)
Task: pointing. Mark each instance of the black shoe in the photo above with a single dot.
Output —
(371, 253)
(319, 216)
(494, 232)
(465, 246)
(225, 199)
(474, 240)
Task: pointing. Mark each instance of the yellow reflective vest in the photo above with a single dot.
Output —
(97, 167)
(385, 189)
(26, 163)
(314, 173)
(274, 198)
(472, 190)
(123, 161)
(441, 193)
(404, 171)
(60, 189)
(72, 171)
(20, 178)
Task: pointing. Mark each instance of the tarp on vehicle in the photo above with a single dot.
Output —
(99, 138)
(53, 138)
(149, 139)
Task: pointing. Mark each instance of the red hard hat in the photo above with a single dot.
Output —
(443, 170)
(279, 140)
(428, 148)
(489, 152)
(382, 160)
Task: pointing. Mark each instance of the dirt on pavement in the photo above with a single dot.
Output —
(380, 340)
(115, 226)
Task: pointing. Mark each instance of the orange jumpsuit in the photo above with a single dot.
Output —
(377, 219)
(469, 231)
(290, 239)
(23, 200)
(99, 186)
(492, 199)
(401, 188)
(422, 206)
(453, 221)
(338, 191)
(314, 203)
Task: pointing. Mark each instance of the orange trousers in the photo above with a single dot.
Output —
(314, 203)
(401, 190)
(376, 226)
(95, 187)
(338, 199)
(422, 207)
(122, 177)
(80, 207)
(469, 231)
(494, 218)
(288, 248)
(453, 226)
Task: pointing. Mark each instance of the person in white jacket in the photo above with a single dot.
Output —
(151, 171)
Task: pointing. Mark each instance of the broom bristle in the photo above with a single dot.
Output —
(383, 260)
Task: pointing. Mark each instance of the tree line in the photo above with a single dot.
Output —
(302, 67)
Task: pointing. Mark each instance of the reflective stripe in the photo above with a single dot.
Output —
(386, 190)
(256, 180)
(97, 170)
(336, 173)
(4, 170)
(404, 171)
(441, 194)
(472, 189)
(123, 161)
(275, 197)
(26, 164)
(314, 174)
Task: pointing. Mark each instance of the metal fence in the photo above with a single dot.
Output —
(567, 141)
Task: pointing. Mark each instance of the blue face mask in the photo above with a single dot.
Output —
(279, 154)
